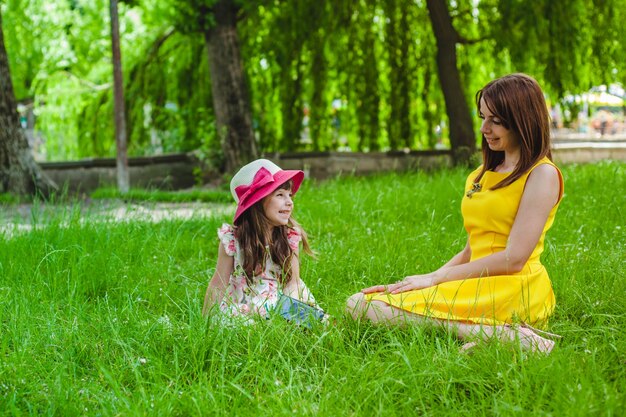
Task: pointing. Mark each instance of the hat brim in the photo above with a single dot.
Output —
(280, 178)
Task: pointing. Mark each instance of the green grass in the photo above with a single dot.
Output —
(133, 195)
(6, 198)
(136, 194)
(103, 317)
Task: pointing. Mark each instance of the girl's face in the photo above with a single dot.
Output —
(278, 207)
(498, 137)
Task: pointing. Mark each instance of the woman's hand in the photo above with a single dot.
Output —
(412, 282)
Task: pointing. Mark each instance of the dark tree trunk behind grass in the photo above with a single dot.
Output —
(119, 108)
(462, 138)
(19, 173)
(230, 94)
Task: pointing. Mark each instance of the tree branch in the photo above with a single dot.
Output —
(88, 83)
(465, 41)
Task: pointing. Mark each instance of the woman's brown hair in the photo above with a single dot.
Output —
(517, 100)
(257, 238)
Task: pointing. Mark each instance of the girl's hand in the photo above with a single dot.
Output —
(412, 282)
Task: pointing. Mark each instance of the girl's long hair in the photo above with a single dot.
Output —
(518, 101)
(258, 238)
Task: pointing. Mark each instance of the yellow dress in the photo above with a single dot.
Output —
(494, 300)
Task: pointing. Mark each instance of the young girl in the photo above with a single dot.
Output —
(258, 258)
(496, 283)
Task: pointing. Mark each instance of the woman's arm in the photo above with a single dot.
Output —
(217, 286)
(540, 196)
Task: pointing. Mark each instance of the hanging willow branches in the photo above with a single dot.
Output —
(319, 75)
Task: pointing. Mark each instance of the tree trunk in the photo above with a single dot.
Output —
(118, 108)
(230, 94)
(19, 173)
(462, 138)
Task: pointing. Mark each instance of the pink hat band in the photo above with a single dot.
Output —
(248, 192)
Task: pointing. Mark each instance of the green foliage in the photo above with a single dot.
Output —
(102, 317)
(570, 53)
(399, 41)
(607, 45)
(323, 75)
(23, 37)
(168, 99)
(189, 16)
(362, 88)
(334, 63)
(6, 198)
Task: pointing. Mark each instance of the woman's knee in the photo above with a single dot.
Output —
(356, 305)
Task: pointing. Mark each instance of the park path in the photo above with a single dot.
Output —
(22, 218)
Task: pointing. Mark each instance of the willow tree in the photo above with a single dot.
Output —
(399, 39)
(19, 173)
(187, 71)
(583, 46)
(217, 21)
(462, 138)
(287, 48)
(364, 80)
(230, 91)
(558, 42)
(290, 34)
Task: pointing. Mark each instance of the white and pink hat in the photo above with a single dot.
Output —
(257, 180)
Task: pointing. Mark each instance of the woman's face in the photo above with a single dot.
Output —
(498, 137)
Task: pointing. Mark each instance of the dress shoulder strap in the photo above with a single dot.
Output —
(294, 236)
(226, 235)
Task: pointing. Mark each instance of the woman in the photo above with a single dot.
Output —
(496, 284)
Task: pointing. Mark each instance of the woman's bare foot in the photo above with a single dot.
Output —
(532, 342)
(469, 347)
(528, 338)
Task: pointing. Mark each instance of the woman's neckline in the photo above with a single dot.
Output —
(509, 172)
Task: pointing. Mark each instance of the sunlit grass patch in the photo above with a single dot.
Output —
(138, 194)
(102, 317)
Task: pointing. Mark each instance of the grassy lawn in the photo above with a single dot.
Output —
(207, 196)
(103, 317)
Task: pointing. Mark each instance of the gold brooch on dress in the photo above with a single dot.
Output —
(476, 187)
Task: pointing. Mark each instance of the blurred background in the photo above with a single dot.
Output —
(315, 75)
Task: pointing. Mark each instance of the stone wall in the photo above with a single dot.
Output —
(177, 171)
(322, 165)
(168, 172)
(583, 152)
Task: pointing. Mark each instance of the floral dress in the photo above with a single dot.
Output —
(261, 296)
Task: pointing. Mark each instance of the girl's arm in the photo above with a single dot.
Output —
(296, 288)
(540, 196)
(217, 286)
